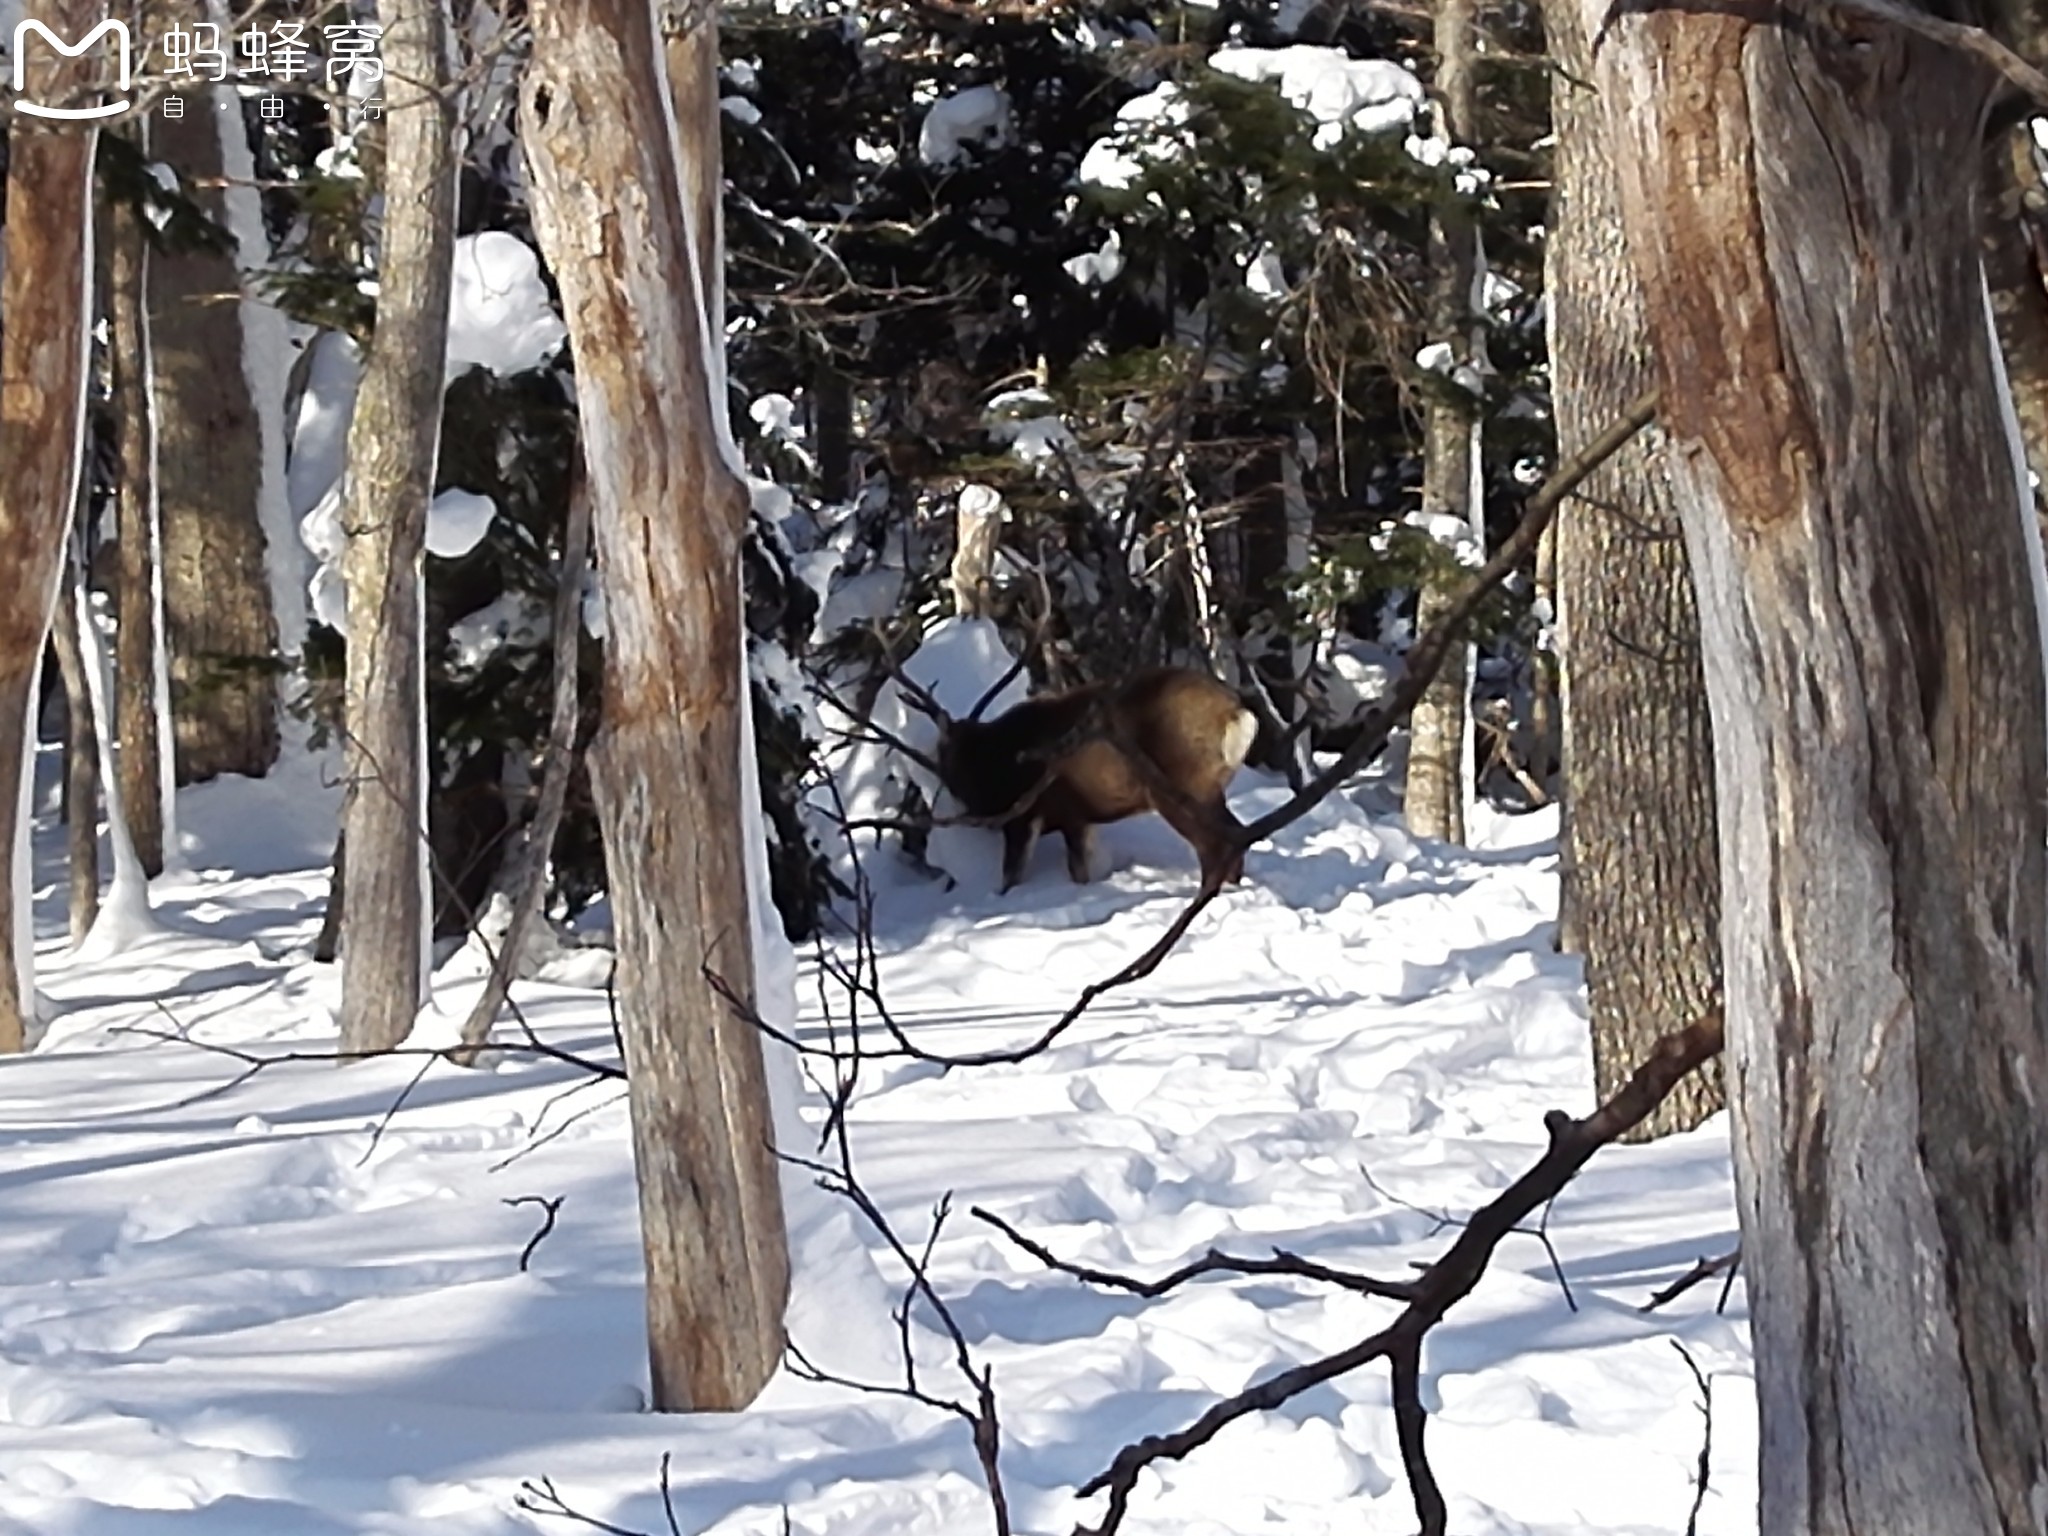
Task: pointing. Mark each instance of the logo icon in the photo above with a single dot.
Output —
(125, 76)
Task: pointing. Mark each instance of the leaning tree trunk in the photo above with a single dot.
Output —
(221, 630)
(613, 215)
(1643, 878)
(1433, 799)
(1800, 202)
(392, 442)
(136, 678)
(44, 294)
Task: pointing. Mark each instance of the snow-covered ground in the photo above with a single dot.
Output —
(290, 1304)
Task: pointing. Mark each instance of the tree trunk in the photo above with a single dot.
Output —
(136, 694)
(45, 295)
(1638, 748)
(2015, 206)
(221, 628)
(392, 444)
(1433, 799)
(1800, 204)
(81, 777)
(526, 872)
(978, 521)
(624, 237)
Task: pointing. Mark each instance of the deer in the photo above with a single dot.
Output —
(1166, 739)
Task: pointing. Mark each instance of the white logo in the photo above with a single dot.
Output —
(71, 51)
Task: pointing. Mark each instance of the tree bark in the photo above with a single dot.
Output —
(139, 761)
(1433, 798)
(81, 777)
(221, 629)
(1642, 864)
(617, 201)
(1800, 204)
(45, 294)
(392, 443)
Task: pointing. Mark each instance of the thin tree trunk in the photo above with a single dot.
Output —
(526, 872)
(392, 444)
(221, 627)
(1800, 203)
(327, 943)
(81, 777)
(1641, 872)
(2014, 223)
(139, 762)
(1433, 799)
(613, 216)
(978, 521)
(44, 294)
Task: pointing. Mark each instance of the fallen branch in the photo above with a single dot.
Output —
(551, 1207)
(1430, 1295)
(1703, 1269)
(1699, 1486)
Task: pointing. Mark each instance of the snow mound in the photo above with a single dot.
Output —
(457, 522)
(1338, 91)
(499, 315)
(978, 116)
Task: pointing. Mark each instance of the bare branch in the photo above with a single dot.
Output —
(1703, 1269)
(1440, 1287)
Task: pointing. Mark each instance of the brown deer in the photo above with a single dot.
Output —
(1166, 740)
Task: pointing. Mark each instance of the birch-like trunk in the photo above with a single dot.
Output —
(392, 443)
(45, 294)
(618, 196)
(1800, 202)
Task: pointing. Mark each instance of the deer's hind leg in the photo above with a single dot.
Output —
(1211, 830)
(1080, 836)
(1020, 838)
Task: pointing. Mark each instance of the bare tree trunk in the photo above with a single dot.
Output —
(81, 777)
(221, 628)
(616, 198)
(1642, 873)
(44, 294)
(526, 872)
(139, 761)
(979, 521)
(327, 943)
(1433, 799)
(392, 444)
(1800, 202)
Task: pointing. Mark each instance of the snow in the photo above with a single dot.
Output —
(976, 116)
(124, 916)
(1151, 130)
(1027, 420)
(457, 521)
(516, 619)
(294, 1302)
(1094, 268)
(775, 415)
(499, 314)
(1265, 274)
(1341, 93)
